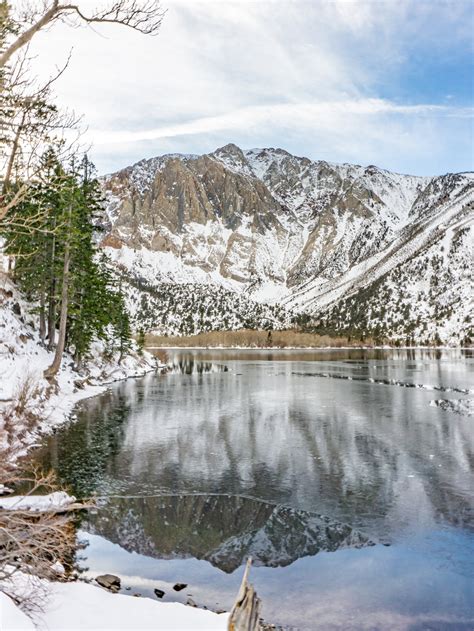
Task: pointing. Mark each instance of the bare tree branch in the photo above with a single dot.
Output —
(29, 121)
(30, 124)
(37, 544)
(27, 35)
(144, 16)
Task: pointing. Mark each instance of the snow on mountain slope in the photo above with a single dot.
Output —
(411, 239)
(427, 298)
(187, 300)
(276, 229)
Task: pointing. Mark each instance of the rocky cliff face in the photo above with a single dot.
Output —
(289, 232)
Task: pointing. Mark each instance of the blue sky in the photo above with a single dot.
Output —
(386, 82)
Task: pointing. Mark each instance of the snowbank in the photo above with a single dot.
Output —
(58, 500)
(81, 607)
(11, 617)
(23, 360)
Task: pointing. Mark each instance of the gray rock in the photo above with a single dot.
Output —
(109, 581)
(159, 593)
(179, 586)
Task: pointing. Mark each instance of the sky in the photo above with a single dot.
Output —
(384, 82)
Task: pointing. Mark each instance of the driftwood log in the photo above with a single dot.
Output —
(245, 614)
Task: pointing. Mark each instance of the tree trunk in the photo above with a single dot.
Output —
(42, 323)
(14, 151)
(52, 299)
(50, 372)
(245, 614)
(52, 316)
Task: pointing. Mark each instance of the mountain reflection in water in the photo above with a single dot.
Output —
(379, 457)
(360, 436)
(221, 529)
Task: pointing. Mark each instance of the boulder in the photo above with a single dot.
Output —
(109, 581)
(159, 593)
(179, 586)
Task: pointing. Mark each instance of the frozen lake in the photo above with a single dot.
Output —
(347, 475)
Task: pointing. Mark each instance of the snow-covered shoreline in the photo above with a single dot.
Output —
(310, 348)
(78, 606)
(23, 360)
(31, 407)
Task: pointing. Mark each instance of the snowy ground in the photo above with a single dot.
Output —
(78, 606)
(22, 363)
(59, 500)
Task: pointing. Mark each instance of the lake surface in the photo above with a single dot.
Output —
(347, 475)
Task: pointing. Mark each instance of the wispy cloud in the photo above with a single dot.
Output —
(340, 80)
(295, 114)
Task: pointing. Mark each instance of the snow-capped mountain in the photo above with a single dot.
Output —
(250, 238)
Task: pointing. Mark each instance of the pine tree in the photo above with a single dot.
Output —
(57, 264)
(141, 341)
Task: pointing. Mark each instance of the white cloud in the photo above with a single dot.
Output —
(296, 115)
(302, 75)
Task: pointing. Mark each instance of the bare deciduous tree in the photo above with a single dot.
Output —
(29, 124)
(144, 16)
(29, 120)
(17, 417)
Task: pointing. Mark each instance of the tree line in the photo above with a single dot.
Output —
(58, 265)
(50, 197)
(49, 202)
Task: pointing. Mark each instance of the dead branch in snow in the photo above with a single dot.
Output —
(40, 545)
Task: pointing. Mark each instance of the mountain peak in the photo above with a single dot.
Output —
(233, 158)
(231, 148)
